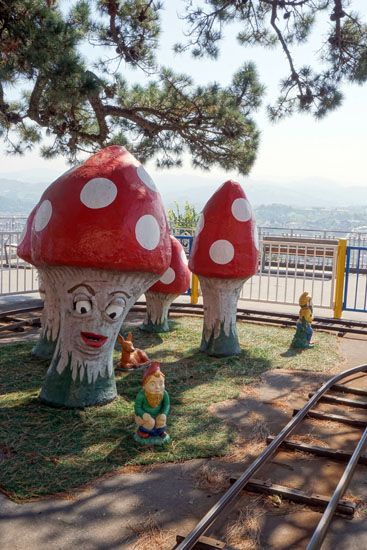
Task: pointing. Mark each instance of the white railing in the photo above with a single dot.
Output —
(286, 269)
(16, 276)
(12, 223)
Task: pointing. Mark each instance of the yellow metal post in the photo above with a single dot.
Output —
(194, 289)
(339, 281)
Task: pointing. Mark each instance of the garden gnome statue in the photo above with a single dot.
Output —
(152, 408)
(303, 336)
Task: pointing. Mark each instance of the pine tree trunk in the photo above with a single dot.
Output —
(158, 304)
(220, 297)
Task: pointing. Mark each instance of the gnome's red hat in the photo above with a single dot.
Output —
(153, 369)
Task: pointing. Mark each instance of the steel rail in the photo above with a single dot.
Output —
(323, 525)
(324, 323)
(204, 524)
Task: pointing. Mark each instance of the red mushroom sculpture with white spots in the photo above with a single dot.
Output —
(99, 234)
(174, 281)
(224, 256)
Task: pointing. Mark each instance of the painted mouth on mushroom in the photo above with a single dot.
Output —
(93, 340)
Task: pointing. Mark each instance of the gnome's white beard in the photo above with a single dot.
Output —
(82, 359)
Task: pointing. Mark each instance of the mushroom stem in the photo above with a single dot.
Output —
(50, 322)
(81, 372)
(220, 297)
(158, 304)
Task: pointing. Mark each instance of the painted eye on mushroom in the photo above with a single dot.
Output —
(82, 306)
(115, 309)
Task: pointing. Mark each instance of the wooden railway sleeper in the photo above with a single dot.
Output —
(346, 389)
(342, 401)
(333, 454)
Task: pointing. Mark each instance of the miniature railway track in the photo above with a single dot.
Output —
(253, 316)
(199, 537)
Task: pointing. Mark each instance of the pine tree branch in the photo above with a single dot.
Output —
(294, 73)
(100, 112)
(34, 101)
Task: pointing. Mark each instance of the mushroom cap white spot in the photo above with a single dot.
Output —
(98, 193)
(221, 252)
(147, 232)
(200, 224)
(146, 178)
(43, 215)
(184, 257)
(256, 236)
(168, 276)
(241, 210)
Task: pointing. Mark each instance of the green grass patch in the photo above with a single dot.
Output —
(45, 451)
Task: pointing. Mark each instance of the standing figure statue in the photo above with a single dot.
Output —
(152, 406)
(302, 338)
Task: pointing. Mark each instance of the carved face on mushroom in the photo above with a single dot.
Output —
(100, 234)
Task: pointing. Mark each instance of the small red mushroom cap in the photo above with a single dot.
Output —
(176, 279)
(226, 240)
(106, 214)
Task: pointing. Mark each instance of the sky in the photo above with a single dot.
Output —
(298, 148)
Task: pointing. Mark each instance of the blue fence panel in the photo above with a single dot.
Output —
(186, 242)
(355, 286)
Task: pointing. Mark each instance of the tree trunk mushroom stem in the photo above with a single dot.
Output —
(93, 305)
(50, 322)
(220, 297)
(158, 304)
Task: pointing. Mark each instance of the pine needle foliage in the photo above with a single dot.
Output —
(71, 104)
(315, 88)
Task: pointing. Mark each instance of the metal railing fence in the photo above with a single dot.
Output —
(12, 223)
(355, 289)
(287, 269)
(16, 276)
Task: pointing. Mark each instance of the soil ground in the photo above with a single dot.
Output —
(145, 508)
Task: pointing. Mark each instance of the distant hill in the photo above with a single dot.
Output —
(301, 193)
(347, 218)
(17, 197)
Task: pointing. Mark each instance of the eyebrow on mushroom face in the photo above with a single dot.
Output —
(89, 288)
(120, 292)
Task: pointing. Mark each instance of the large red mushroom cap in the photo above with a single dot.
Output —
(106, 214)
(176, 279)
(226, 240)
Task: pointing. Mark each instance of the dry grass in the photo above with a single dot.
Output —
(210, 478)
(309, 439)
(260, 430)
(244, 533)
(283, 405)
(243, 449)
(150, 536)
(361, 511)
